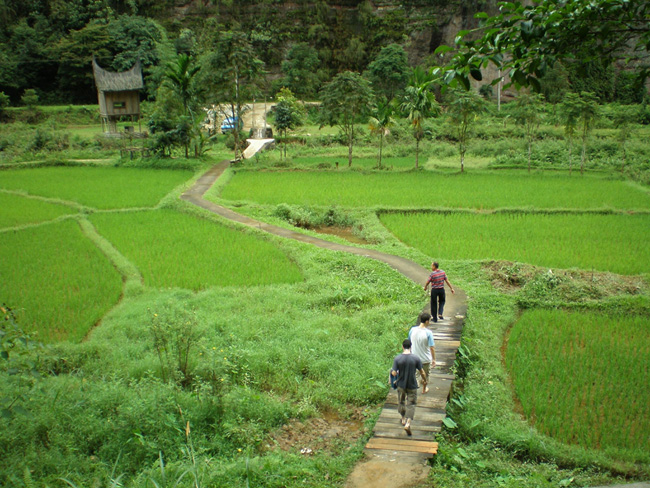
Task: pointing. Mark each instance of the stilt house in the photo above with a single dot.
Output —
(119, 96)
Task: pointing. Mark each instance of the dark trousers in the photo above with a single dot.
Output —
(437, 302)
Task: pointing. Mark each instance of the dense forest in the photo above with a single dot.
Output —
(48, 45)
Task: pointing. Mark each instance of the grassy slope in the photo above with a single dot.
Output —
(271, 345)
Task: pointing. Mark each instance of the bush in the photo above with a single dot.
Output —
(4, 103)
(309, 217)
(29, 98)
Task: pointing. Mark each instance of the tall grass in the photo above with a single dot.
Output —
(425, 190)
(178, 250)
(98, 187)
(264, 354)
(582, 377)
(18, 210)
(57, 280)
(616, 243)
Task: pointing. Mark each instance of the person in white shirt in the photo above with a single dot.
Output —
(423, 346)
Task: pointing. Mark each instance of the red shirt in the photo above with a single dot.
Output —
(437, 279)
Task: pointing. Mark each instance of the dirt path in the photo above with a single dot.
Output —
(393, 459)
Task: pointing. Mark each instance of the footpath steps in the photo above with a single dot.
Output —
(389, 439)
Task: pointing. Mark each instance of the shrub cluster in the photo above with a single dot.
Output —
(311, 217)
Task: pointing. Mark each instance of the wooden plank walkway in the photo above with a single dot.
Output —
(390, 440)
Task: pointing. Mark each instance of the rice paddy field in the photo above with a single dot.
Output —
(56, 280)
(172, 249)
(18, 210)
(478, 190)
(609, 242)
(61, 284)
(97, 187)
(583, 378)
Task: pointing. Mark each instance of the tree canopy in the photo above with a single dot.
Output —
(525, 40)
(301, 70)
(344, 99)
(389, 71)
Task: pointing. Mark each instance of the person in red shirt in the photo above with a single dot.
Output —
(437, 280)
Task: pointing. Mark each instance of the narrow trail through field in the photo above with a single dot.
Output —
(393, 458)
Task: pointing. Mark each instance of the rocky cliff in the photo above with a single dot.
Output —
(347, 33)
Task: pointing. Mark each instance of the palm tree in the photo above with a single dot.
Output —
(380, 124)
(179, 78)
(419, 103)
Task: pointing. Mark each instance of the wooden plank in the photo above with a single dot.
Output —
(437, 403)
(421, 417)
(402, 442)
(429, 427)
(386, 426)
(423, 450)
(419, 411)
(415, 435)
(397, 445)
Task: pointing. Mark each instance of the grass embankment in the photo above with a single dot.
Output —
(479, 190)
(258, 355)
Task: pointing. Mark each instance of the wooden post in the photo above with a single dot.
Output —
(499, 93)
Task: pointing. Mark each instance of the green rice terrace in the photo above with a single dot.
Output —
(148, 342)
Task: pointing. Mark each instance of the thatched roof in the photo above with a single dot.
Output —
(109, 81)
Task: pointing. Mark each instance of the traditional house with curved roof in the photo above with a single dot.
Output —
(118, 95)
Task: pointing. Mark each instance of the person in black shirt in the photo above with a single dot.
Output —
(404, 367)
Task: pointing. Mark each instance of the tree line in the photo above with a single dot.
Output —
(226, 67)
(48, 45)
